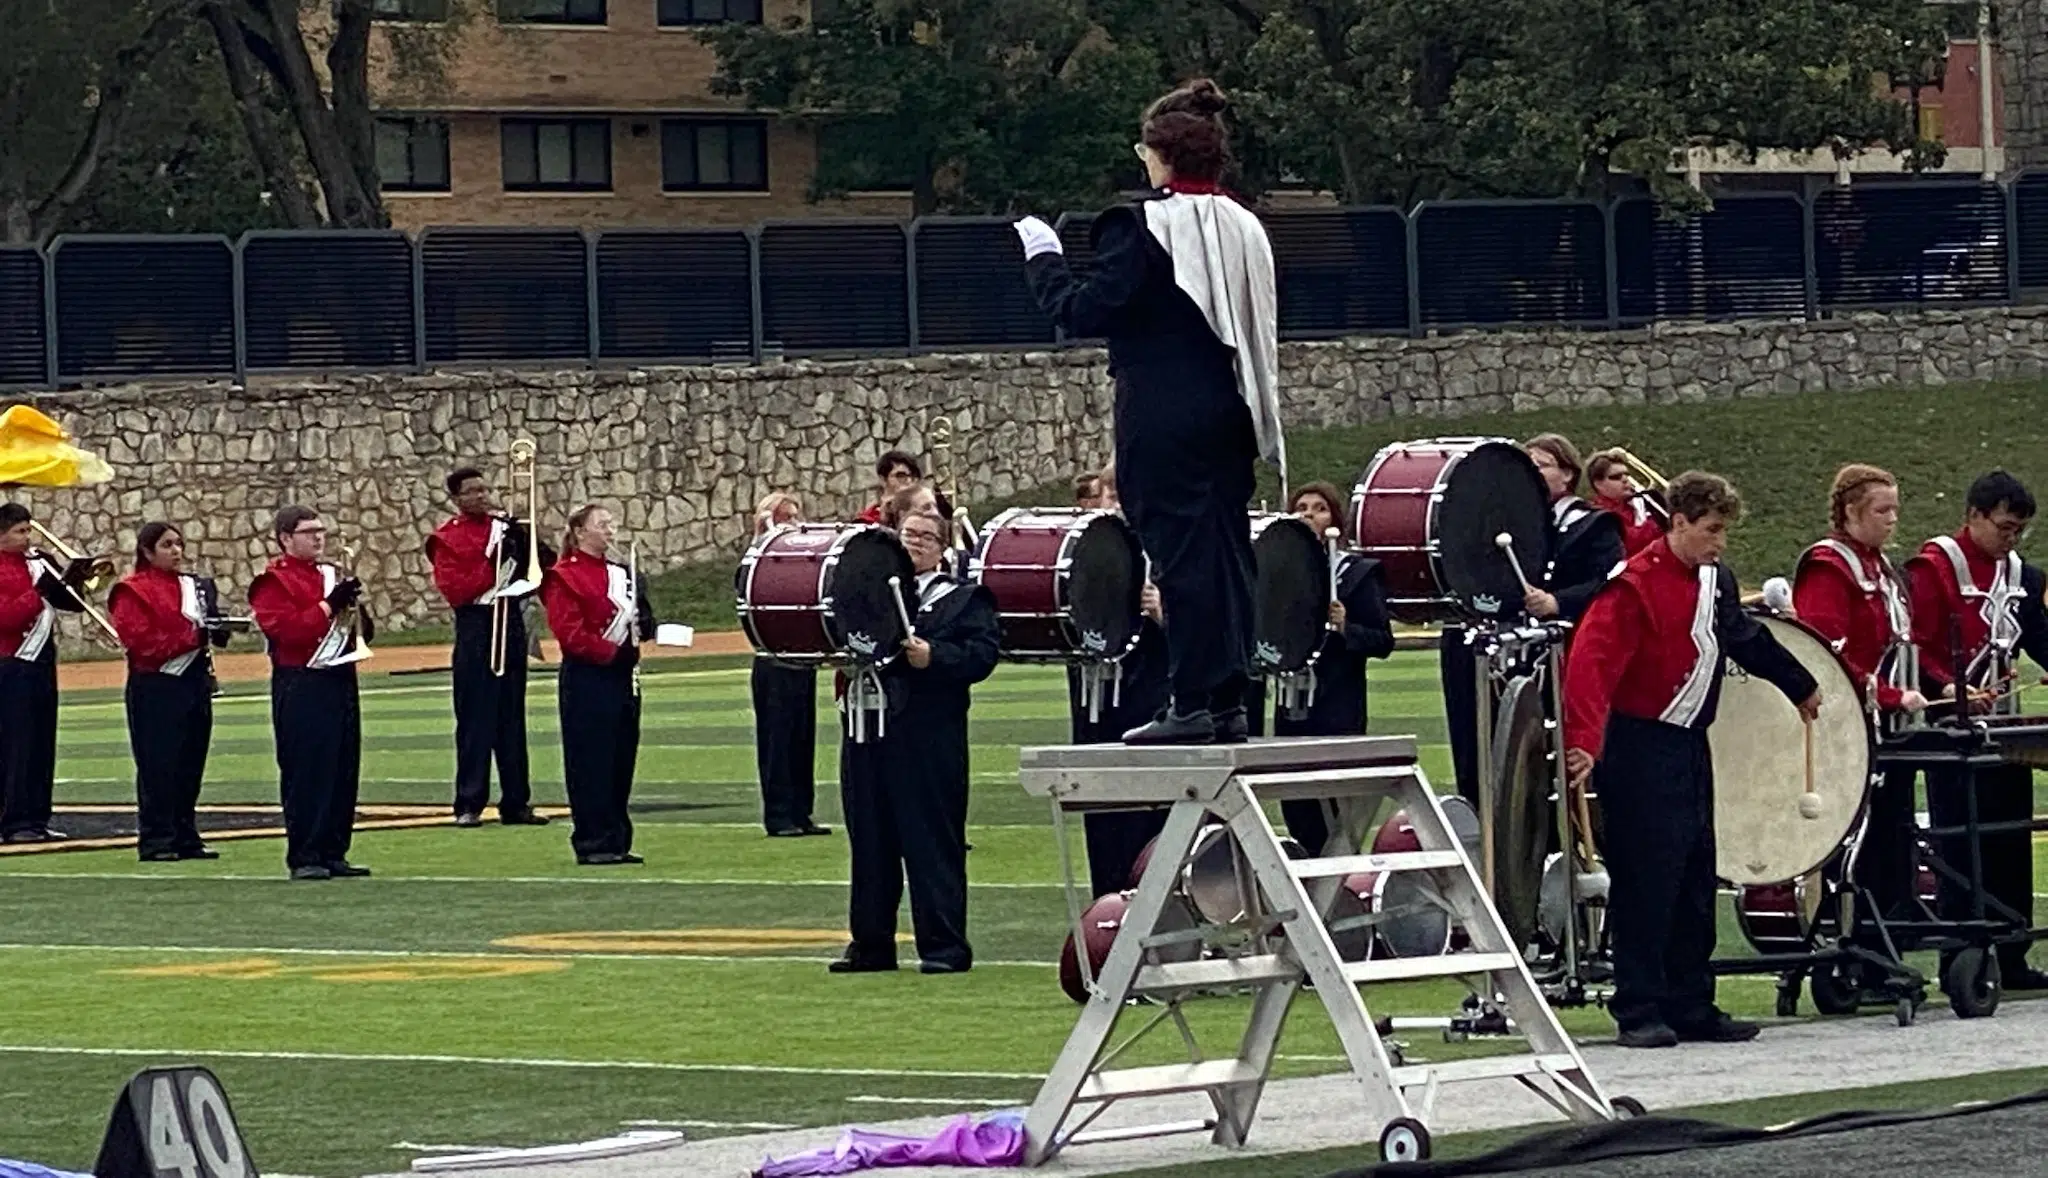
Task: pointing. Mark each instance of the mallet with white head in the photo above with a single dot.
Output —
(1506, 543)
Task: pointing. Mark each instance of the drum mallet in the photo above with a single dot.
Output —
(1809, 802)
(902, 611)
(1330, 537)
(1506, 543)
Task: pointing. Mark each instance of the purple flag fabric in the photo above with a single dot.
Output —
(13, 1169)
(996, 1140)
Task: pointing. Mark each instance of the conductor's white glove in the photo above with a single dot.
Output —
(1038, 238)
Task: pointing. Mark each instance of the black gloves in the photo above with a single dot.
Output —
(78, 572)
(344, 594)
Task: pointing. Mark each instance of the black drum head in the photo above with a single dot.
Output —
(1105, 586)
(1291, 601)
(865, 623)
(1493, 489)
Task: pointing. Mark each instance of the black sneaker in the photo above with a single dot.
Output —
(1720, 1029)
(199, 852)
(609, 859)
(1647, 1035)
(786, 832)
(813, 830)
(314, 871)
(943, 967)
(854, 961)
(523, 818)
(1174, 728)
(469, 820)
(161, 856)
(343, 869)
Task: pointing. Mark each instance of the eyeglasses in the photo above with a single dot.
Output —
(920, 536)
(309, 531)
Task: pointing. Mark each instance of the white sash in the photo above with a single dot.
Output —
(1685, 707)
(619, 588)
(188, 606)
(45, 625)
(2000, 603)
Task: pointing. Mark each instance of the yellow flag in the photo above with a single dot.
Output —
(37, 452)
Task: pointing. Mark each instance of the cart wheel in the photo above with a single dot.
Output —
(1404, 1140)
(1905, 1012)
(1971, 981)
(1788, 998)
(1834, 989)
(1628, 1108)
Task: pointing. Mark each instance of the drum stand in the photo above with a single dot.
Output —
(1292, 944)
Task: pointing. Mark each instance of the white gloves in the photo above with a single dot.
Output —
(1038, 238)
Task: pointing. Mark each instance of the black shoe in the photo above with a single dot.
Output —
(1173, 728)
(161, 857)
(22, 836)
(314, 871)
(522, 818)
(1647, 1035)
(1232, 727)
(609, 859)
(813, 829)
(199, 852)
(2023, 979)
(53, 836)
(1719, 1029)
(854, 961)
(343, 869)
(939, 967)
(787, 832)
(469, 820)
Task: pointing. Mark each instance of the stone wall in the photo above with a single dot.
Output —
(683, 453)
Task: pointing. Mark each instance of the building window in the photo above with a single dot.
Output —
(409, 9)
(412, 154)
(714, 155)
(551, 12)
(710, 12)
(557, 155)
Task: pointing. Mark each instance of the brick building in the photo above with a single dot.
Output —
(592, 113)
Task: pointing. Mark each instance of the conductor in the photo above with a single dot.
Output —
(1182, 289)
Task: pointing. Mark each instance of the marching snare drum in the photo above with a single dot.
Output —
(819, 593)
(1291, 599)
(1430, 511)
(1758, 745)
(1068, 583)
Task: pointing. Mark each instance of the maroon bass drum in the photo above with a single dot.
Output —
(819, 593)
(1068, 583)
(1432, 512)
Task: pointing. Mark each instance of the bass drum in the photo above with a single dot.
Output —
(1067, 582)
(1101, 923)
(819, 593)
(1413, 920)
(1758, 745)
(1431, 512)
(1291, 600)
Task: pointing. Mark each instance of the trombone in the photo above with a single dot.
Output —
(939, 434)
(102, 575)
(522, 464)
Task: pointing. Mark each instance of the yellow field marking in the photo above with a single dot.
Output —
(684, 941)
(266, 968)
(370, 817)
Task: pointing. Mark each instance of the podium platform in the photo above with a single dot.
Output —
(1287, 903)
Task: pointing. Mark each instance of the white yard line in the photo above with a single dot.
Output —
(607, 881)
(492, 1061)
(756, 1126)
(938, 1101)
(450, 955)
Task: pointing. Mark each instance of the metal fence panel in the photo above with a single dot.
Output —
(324, 299)
(144, 306)
(675, 294)
(1496, 262)
(23, 342)
(1912, 243)
(1744, 258)
(835, 286)
(506, 294)
(2030, 229)
(1341, 271)
(970, 286)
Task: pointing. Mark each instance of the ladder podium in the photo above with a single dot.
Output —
(1288, 902)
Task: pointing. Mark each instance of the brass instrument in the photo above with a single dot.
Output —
(103, 574)
(354, 613)
(633, 627)
(1648, 483)
(521, 465)
(939, 437)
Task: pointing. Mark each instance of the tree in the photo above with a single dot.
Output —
(977, 106)
(68, 84)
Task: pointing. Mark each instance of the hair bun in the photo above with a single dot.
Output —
(1206, 97)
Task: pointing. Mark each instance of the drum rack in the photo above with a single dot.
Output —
(1288, 905)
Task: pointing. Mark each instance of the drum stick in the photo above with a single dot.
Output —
(902, 611)
(1506, 543)
(1809, 802)
(1330, 537)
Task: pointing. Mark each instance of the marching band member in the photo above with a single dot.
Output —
(1116, 838)
(904, 792)
(1182, 288)
(1608, 476)
(161, 614)
(895, 472)
(1584, 545)
(1972, 583)
(785, 716)
(31, 594)
(1847, 590)
(1641, 686)
(598, 614)
(1359, 631)
(475, 555)
(302, 605)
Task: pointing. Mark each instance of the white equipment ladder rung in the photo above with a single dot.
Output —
(1291, 943)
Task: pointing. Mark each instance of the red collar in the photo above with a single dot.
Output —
(1180, 187)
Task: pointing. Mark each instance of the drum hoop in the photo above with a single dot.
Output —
(1454, 451)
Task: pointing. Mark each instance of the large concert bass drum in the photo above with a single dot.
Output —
(1068, 583)
(1759, 750)
(1431, 513)
(819, 593)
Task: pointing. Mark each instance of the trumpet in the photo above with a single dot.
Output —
(522, 465)
(102, 575)
(1647, 482)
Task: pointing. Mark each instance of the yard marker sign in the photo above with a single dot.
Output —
(173, 1123)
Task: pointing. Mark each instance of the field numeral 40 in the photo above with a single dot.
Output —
(214, 1150)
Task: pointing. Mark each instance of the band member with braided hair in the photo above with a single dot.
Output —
(32, 593)
(1182, 289)
(1849, 592)
(597, 613)
(785, 715)
(1641, 686)
(302, 605)
(163, 616)
(1972, 585)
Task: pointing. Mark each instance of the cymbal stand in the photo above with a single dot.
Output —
(1571, 988)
